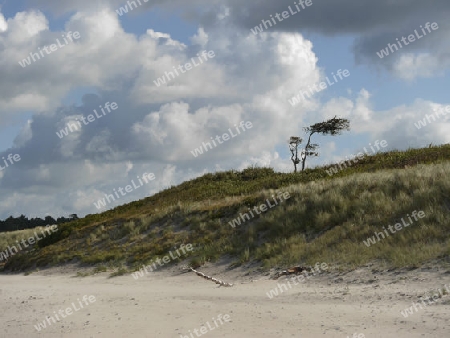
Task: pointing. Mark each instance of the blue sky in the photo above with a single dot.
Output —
(251, 78)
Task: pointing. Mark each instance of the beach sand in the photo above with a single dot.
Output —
(170, 303)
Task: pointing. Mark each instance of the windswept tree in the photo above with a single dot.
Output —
(332, 127)
(294, 142)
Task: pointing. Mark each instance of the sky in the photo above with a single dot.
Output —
(241, 62)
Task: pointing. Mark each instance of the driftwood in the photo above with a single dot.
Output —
(217, 281)
(291, 271)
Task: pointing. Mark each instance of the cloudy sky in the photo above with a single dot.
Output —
(118, 57)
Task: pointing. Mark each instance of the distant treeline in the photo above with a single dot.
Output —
(22, 222)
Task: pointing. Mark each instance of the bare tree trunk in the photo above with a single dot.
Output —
(293, 145)
(306, 152)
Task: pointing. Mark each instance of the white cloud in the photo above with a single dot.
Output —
(201, 38)
(103, 55)
(173, 132)
(3, 23)
(26, 25)
(411, 66)
(166, 38)
(396, 125)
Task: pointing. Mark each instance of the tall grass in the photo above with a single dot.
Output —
(12, 237)
(328, 220)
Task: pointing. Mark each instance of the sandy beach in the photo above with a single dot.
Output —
(361, 303)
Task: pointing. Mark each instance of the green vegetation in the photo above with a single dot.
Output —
(326, 219)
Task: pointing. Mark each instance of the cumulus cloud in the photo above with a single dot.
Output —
(3, 23)
(154, 128)
(397, 125)
(373, 25)
(201, 38)
(411, 66)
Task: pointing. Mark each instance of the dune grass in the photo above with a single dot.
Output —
(325, 219)
(328, 221)
(10, 238)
